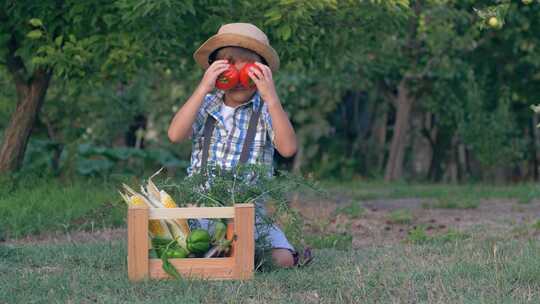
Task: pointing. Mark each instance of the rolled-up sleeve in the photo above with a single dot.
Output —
(201, 116)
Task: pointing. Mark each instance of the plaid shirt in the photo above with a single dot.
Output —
(226, 147)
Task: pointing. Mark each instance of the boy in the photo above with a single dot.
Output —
(242, 125)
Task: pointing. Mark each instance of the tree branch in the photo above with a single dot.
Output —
(387, 93)
(410, 76)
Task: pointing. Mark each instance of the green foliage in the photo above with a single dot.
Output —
(99, 160)
(353, 211)
(35, 204)
(455, 202)
(112, 63)
(400, 216)
(244, 184)
(92, 160)
(491, 133)
(450, 236)
(255, 184)
(339, 241)
(527, 198)
(88, 39)
(418, 235)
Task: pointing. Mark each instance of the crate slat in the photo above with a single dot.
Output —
(191, 212)
(202, 268)
(244, 249)
(137, 243)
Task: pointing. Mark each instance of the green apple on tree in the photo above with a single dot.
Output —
(494, 22)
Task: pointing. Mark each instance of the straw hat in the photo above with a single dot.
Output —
(244, 35)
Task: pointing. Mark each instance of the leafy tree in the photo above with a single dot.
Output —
(91, 41)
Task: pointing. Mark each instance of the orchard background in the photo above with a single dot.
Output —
(416, 115)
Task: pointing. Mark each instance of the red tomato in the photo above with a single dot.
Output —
(228, 79)
(244, 77)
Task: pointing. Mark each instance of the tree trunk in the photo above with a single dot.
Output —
(403, 103)
(379, 134)
(452, 168)
(462, 162)
(30, 97)
(58, 143)
(423, 134)
(536, 146)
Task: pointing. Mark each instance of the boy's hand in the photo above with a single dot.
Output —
(211, 74)
(264, 82)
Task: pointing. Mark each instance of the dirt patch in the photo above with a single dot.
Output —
(374, 226)
(389, 205)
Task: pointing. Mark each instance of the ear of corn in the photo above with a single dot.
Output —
(152, 197)
(152, 189)
(180, 227)
(136, 200)
(133, 198)
(159, 229)
(167, 200)
(156, 228)
(154, 201)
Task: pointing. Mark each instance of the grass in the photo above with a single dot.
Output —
(450, 267)
(35, 205)
(400, 216)
(366, 190)
(464, 271)
(452, 202)
(353, 211)
(418, 235)
(339, 241)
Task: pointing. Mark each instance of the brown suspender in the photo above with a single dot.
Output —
(250, 136)
(207, 133)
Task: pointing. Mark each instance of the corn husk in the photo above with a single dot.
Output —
(151, 196)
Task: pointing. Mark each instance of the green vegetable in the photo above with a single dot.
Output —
(169, 268)
(220, 244)
(176, 253)
(169, 247)
(198, 241)
(220, 231)
(160, 242)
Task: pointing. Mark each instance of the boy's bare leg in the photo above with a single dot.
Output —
(282, 258)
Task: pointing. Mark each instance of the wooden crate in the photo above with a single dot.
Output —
(238, 266)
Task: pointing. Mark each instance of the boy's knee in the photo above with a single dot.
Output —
(282, 258)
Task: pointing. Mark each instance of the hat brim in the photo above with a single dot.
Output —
(222, 40)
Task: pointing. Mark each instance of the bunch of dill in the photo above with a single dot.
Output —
(257, 184)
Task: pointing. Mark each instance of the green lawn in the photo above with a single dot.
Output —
(478, 266)
(468, 271)
(34, 205)
(363, 190)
